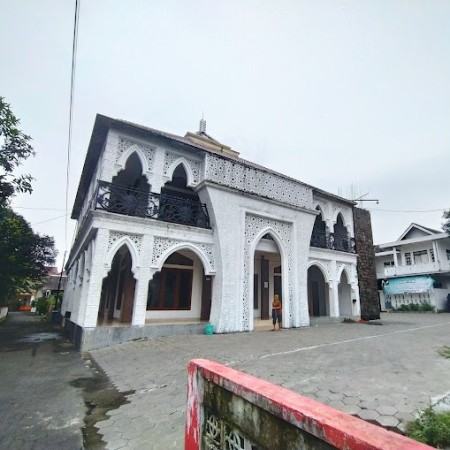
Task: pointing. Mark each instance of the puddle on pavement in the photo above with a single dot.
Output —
(40, 337)
(100, 396)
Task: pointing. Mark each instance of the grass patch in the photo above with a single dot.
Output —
(431, 428)
(445, 352)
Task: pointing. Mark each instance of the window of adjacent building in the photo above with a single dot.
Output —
(408, 258)
(448, 254)
(388, 263)
(432, 255)
(420, 257)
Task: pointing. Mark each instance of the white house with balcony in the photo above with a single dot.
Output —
(181, 231)
(414, 269)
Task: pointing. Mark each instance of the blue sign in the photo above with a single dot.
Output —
(408, 285)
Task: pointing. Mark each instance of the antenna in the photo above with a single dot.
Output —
(202, 128)
(362, 199)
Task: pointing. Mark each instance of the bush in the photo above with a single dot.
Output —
(431, 428)
(417, 307)
(42, 306)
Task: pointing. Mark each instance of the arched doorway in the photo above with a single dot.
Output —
(267, 276)
(130, 189)
(345, 296)
(181, 290)
(117, 297)
(318, 293)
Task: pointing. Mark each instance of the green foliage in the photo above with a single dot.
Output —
(14, 304)
(24, 254)
(446, 224)
(431, 428)
(416, 307)
(42, 306)
(445, 352)
(15, 148)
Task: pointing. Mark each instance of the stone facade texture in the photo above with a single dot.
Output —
(367, 276)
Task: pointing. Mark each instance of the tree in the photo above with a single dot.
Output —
(15, 148)
(24, 254)
(446, 224)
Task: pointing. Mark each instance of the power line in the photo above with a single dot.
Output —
(407, 211)
(72, 92)
(49, 220)
(40, 209)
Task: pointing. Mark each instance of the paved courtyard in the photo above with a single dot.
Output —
(384, 372)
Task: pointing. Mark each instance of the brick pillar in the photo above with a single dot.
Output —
(367, 276)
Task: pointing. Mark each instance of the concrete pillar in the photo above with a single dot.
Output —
(334, 298)
(100, 270)
(395, 257)
(142, 278)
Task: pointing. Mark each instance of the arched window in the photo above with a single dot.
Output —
(341, 239)
(319, 235)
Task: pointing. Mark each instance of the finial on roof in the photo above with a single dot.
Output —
(202, 128)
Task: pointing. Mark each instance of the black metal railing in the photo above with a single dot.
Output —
(319, 239)
(334, 241)
(133, 202)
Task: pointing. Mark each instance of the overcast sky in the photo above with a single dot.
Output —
(333, 93)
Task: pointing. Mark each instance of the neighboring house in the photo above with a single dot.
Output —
(53, 283)
(174, 229)
(415, 268)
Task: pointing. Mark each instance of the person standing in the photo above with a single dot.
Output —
(276, 312)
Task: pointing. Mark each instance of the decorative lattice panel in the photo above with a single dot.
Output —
(161, 245)
(194, 165)
(218, 435)
(114, 236)
(259, 182)
(148, 151)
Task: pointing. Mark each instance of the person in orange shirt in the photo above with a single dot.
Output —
(276, 311)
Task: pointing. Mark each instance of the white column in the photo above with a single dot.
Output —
(140, 296)
(395, 257)
(334, 298)
(99, 271)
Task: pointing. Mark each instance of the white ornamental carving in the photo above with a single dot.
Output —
(253, 227)
(255, 181)
(161, 245)
(194, 165)
(114, 236)
(125, 144)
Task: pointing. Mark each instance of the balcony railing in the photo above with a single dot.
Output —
(133, 202)
(416, 269)
(334, 241)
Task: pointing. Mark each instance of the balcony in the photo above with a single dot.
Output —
(132, 202)
(417, 269)
(334, 241)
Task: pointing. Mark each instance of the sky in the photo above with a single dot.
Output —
(352, 97)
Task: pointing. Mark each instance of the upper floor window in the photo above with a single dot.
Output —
(408, 258)
(420, 257)
(388, 263)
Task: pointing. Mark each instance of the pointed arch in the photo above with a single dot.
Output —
(125, 240)
(122, 161)
(321, 267)
(344, 268)
(187, 169)
(209, 270)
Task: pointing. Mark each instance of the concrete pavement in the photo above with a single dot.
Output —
(384, 372)
(40, 408)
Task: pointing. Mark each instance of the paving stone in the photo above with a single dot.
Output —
(116, 444)
(351, 409)
(364, 404)
(368, 414)
(386, 410)
(388, 421)
(351, 400)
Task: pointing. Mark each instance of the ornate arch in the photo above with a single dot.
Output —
(321, 266)
(187, 168)
(164, 247)
(123, 158)
(348, 272)
(255, 228)
(116, 245)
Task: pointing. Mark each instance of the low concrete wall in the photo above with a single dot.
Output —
(3, 312)
(227, 406)
(91, 338)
